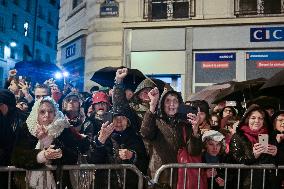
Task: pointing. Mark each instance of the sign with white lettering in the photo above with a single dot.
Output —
(70, 50)
(110, 8)
(214, 67)
(263, 64)
(267, 34)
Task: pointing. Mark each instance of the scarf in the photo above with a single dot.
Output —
(45, 179)
(211, 159)
(251, 135)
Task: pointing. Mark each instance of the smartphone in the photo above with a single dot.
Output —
(107, 117)
(231, 103)
(263, 139)
(183, 110)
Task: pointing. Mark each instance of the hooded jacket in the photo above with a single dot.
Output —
(165, 136)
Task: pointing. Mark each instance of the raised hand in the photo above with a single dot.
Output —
(194, 120)
(12, 73)
(121, 74)
(154, 99)
(24, 87)
(105, 132)
(125, 154)
(41, 132)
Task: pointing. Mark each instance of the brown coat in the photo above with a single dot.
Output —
(166, 139)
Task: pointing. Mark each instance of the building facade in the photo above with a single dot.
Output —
(188, 43)
(28, 31)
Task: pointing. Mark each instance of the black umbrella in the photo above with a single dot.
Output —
(105, 77)
(240, 91)
(274, 86)
(209, 93)
(36, 71)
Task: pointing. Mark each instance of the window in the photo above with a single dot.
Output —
(40, 12)
(48, 43)
(255, 7)
(14, 21)
(28, 5)
(38, 33)
(2, 24)
(38, 54)
(3, 2)
(53, 2)
(16, 2)
(47, 58)
(169, 9)
(13, 53)
(26, 29)
(55, 43)
(1, 49)
(26, 52)
(49, 18)
(76, 3)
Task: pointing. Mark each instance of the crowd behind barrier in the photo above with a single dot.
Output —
(149, 138)
(91, 169)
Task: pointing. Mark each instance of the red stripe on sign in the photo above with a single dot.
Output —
(270, 64)
(215, 65)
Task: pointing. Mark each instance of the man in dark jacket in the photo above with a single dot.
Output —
(11, 119)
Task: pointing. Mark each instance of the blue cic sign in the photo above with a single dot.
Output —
(267, 34)
(110, 8)
(70, 50)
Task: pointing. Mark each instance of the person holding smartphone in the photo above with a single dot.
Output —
(248, 146)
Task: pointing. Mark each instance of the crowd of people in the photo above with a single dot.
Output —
(147, 128)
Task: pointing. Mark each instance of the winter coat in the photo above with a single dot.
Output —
(108, 154)
(25, 154)
(9, 127)
(166, 140)
(242, 153)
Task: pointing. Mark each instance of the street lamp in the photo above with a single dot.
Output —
(13, 44)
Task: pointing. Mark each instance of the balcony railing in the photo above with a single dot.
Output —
(259, 7)
(169, 9)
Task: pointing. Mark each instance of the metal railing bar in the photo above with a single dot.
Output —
(226, 175)
(184, 178)
(263, 177)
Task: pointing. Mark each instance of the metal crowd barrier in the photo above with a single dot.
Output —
(201, 166)
(83, 167)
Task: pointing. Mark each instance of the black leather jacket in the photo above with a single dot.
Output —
(241, 153)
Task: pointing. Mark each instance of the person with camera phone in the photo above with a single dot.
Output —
(253, 144)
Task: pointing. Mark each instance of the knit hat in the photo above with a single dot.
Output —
(100, 97)
(7, 97)
(72, 94)
(212, 135)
